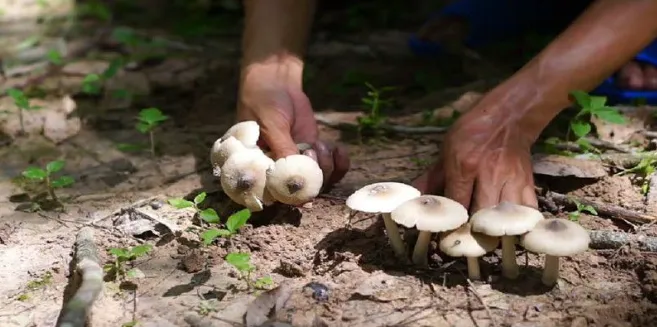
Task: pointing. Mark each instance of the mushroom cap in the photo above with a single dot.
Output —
(381, 197)
(430, 213)
(243, 177)
(506, 218)
(295, 179)
(557, 237)
(463, 242)
(222, 150)
(247, 132)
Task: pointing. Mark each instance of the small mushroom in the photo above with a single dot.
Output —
(429, 214)
(243, 178)
(506, 220)
(383, 198)
(295, 179)
(463, 242)
(555, 238)
(247, 132)
(222, 150)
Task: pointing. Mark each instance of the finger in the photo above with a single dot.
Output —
(341, 164)
(529, 197)
(459, 181)
(487, 190)
(276, 132)
(324, 159)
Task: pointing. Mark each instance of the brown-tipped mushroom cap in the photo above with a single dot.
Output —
(381, 197)
(505, 218)
(243, 178)
(247, 132)
(222, 150)
(462, 242)
(295, 179)
(556, 237)
(430, 213)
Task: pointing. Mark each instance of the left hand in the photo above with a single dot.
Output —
(485, 159)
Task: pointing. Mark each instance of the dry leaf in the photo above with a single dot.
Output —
(561, 166)
(637, 118)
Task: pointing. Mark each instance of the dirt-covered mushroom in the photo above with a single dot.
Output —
(295, 179)
(222, 150)
(247, 132)
(463, 242)
(555, 238)
(429, 214)
(383, 198)
(506, 220)
(243, 178)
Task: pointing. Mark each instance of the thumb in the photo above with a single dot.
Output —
(276, 133)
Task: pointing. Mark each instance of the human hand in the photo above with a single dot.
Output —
(286, 118)
(485, 159)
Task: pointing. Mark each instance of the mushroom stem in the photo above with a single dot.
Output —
(550, 270)
(421, 248)
(474, 273)
(395, 240)
(510, 268)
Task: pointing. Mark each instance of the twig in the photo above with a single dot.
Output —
(651, 197)
(607, 240)
(598, 143)
(650, 134)
(549, 198)
(119, 211)
(74, 313)
(398, 129)
(481, 299)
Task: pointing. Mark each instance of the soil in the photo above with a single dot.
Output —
(187, 284)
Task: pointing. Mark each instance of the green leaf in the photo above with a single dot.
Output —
(113, 68)
(55, 166)
(20, 100)
(574, 216)
(140, 250)
(120, 252)
(237, 220)
(35, 173)
(263, 282)
(179, 203)
(582, 98)
(127, 147)
(152, 115)
(212, 234)
(55, 57)
(609, 115)
(199, 198)
(108, 267)
(240, 260)
(589, 209)
(580, 128)
(144, 127)
(597, 102)
(210, 216)
(63, 181)
(134, 273)
(91, 84)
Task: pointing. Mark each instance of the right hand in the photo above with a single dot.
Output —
(286, 118)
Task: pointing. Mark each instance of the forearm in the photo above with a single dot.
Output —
(597, 44)
(275, 35)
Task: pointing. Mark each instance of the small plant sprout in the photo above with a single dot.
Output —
(383, 198)
(123, 256)
(374, 102)
(506, 220)
(149, 119)
(46, 176)
(22, 102)
(233, 225)
(208, 215)
(295, 179)
(574, 216)
(555, 238)
(591, 106)
(242, 262)
(644, 170)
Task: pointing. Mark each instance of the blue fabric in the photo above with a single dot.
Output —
(493, 20)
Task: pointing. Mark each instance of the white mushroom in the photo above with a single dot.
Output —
(243, 178)
(506, 220)
(462, 242)
(429, 214)
(222, 150)
(247, 132)
(555, 238)
(295, 179)
(384, 198)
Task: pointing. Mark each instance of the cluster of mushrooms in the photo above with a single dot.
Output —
(250, 177)
(473, 236)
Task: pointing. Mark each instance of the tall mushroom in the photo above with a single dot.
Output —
(295, 179)
(383, 198)
(555, 238)
(506, 220)
(243, 178)
(462, 242)
(429, 214)
(222, 150)
(247, 132)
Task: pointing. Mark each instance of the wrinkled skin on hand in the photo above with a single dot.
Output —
(485, 159)
(285, 116)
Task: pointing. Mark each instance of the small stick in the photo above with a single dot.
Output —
(476, 294)
(603, 209)
(398, 129)
(131, 206)
(74, 313)
(651, 197)
(607, 240)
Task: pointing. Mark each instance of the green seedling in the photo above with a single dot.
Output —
(374, 103)
(123, 256)
(242, 262)
(46, 176)
(644, 169)
(149, 119)
(233, 225)
(591, 106)
(23, 103)
(205, 308)
(35, 285)
(55, 57)
(133, 323)
(208, 215)
(574, 216)
(93, 83)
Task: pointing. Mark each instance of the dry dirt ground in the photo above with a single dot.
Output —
(187, 284)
